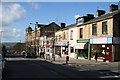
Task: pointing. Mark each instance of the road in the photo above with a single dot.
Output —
(31, 68)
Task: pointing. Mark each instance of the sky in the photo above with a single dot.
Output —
(17, 16)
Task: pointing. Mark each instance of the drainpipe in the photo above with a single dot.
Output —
(89, 51)
(77, 54)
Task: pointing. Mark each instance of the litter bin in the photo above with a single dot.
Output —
(67, 59)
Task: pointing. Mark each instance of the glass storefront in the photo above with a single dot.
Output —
(65, 50)
(104, 51)
(83, 53)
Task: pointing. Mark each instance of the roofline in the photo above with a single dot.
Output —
(67, 27)
(95, 21)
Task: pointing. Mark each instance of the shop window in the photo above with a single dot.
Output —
(94, 29)
(83, 53)
(71, 49)
(71, 35)
(104, 28)
(81, 32)
(100, 49)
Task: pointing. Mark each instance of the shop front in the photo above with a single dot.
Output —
(103, 46)
(61, 47)
(82, 49)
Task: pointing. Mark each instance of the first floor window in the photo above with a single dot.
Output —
(104, 27)
(81, 32)
(94, 29)
(71, 35)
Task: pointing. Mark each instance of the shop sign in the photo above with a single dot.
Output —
(84, 40)
(116, 40)
(49, 46)
(101, 40)
(61, 43)
(80, 46)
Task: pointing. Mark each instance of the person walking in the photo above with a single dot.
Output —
(96, 56)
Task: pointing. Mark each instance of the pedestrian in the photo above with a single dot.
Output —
(96, 56)
(59, 54)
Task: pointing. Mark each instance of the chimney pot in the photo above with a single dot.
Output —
(62, 25)
(100, 12)
(113, 7)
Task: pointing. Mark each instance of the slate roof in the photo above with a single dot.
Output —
(102, 17)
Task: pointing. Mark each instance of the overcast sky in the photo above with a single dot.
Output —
(16, 16)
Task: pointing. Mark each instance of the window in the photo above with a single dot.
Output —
(104, 27)
(80, 21)
(64, 35)
(71, 35)
(56, 38)
(59, 37)
(71, 49)
(94, 29)
(81, 32)
(118, 28)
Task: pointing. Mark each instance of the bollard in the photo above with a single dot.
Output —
(67, 59)
(53, 58)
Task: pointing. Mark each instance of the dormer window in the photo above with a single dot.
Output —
(80, 21)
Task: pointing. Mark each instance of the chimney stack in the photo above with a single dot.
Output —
(89, 15)
(113, 7)
(100, 12)
(62, 25)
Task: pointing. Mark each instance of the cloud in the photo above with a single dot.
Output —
(11, 13)
(34, 5)
(12, 34)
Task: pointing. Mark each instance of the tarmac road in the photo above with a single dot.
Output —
(29, 68)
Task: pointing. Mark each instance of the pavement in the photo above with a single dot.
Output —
(105, 69)
(110, 68)
(36, 68)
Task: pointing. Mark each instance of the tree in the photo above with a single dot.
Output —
(4, 51)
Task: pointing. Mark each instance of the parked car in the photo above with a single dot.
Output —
(27, 55)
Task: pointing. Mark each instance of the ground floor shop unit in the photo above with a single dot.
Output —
(82, 49)
(61, 48)
(107, 48)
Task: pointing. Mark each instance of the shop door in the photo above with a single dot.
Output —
(108, 52)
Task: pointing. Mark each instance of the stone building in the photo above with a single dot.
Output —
(103, 34)
(36, 39)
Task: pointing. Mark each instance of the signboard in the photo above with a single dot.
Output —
(80, 46)
(49, 46)
(116, 40)
(83, 40)
(101, 40)
(61, 43)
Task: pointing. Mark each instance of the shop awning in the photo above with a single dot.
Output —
(81, 46)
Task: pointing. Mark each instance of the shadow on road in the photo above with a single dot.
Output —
(40, 69)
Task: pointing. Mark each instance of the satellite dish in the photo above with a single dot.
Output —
(77, 16)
